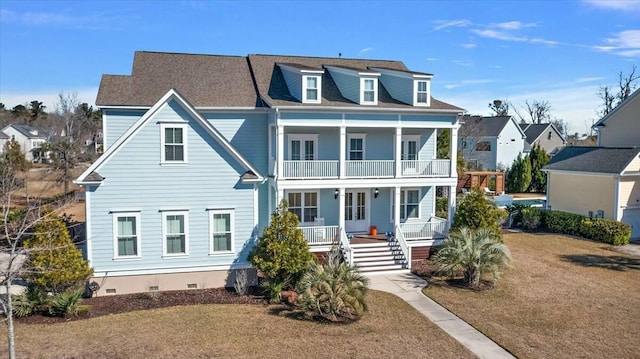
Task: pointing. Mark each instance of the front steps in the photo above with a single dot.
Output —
(378, 257)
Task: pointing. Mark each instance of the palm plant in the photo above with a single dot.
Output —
(334, 291)
(474, 252)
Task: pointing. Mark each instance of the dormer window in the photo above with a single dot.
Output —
(311, 89)
(369, 92)
(421, 92)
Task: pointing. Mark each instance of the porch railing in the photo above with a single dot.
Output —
(403, 246)
(369, 168)
(425, 168)
(434, 228)
(310, 169)
(320, 235)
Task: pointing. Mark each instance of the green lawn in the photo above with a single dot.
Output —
(563, 298)
(391, 329)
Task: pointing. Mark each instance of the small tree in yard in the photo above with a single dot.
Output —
(474, 252)
(475, 211)
(334, 291)
(538, 159)
(282, 253)
(54, 263)
(519, 175)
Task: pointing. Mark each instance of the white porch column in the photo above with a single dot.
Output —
(452, 203)
(396, 206)
(341, 200)
(279, 196)
(280, 152)
(398, 152)
(453, 144)
(343, 151)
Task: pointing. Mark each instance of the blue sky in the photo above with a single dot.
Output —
(557, 51)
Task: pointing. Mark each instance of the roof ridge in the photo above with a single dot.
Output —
(325, 57)
(187, 53)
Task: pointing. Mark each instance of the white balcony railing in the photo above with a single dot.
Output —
(320, 235)
(425, 168)
(369, 168)
(310, 169)
(435, 228)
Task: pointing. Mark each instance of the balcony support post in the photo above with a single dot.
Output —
(398, 152)
(343, 151)
(453, 144)
(280, 151)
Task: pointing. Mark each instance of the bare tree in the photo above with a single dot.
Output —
(626, 86)
(561, 125)
(499, 107)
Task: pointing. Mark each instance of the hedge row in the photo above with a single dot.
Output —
(598, 229)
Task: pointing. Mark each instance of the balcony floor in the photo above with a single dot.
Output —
(368, 239)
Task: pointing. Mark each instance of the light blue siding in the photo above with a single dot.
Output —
(294, 82)
(436, 119)
(378, 143)
(117, 122)
(400, 88)
(349, 85)
(134, 179)
(381, 215)
(368, 117)
(310, 116)
(328, 145)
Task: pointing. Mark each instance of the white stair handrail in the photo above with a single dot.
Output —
(347, 253)
(403, 246)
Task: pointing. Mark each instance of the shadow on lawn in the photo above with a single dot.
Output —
(617, 263)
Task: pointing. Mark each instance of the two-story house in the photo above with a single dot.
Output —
(602, 181)
(490, 143)
(29, 139)
(200, 149)
(545, 135)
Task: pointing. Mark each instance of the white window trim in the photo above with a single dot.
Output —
(302, 204)
(186, 233)
(405, 139)
(185, 141)
(403, 192)
(318, 89)
(362, 136)
(212, 252)
(115, 216)
(375, 91)
(415, 93)
(302, 138)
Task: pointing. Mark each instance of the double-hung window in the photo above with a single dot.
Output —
(356, 147)
(311, 89)
(175, 230)
(174, 143)
(304, 205)
(221, 224)
(369, 91)
(409, 204)
(421, 93)
(126, 233)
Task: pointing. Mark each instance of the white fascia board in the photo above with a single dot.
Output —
(87, 183)
(299, 70)
(400, 73)
(369, 109)
(123, 107)
(352, 72)
(582, 173)
(173, 269)
(366, 183)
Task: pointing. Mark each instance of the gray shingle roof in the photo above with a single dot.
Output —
(206, 80)
(535, 130)
(478, 126)
(234, 81)
(27, 131)
(3, 136)
(593, 159)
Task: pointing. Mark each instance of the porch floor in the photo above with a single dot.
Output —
(367, 239)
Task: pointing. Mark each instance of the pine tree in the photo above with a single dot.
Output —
(519, 175)
(538, 159)
(54, 263)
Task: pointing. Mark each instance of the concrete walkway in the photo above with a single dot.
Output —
(409, 287)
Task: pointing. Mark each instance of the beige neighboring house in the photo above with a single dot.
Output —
(602, 181)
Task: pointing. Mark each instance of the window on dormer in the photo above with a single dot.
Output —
(369, 92)
(312, 88)
(421, 92)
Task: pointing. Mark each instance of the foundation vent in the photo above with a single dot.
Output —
(192, 286)
(110, 291)
(154, 288)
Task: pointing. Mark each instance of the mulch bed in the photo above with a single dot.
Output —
(99, 306)
(428, 271)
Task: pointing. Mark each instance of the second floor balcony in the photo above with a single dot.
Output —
(365, 169)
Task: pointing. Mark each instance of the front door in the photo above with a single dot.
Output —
(356, 211)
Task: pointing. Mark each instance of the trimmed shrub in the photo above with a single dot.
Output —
(475, 211)
(562, 222)
(442, 207)
(531, 218)
(29, 302)
(515, 210)
(606, 230)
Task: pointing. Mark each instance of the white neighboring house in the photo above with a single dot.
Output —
(3, 141)
(490, 142)
(28, 138)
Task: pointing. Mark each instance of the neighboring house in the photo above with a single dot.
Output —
(490, 143)
(602, 181)
(200, 149)
(4, 138)
(28, 138)
(545, 135)
(573, 140)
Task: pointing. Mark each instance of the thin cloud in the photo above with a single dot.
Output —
(625, 43)
(365, 50)
(465, 63)
(468, 83)
(432, 59)
(469, 45)
(91, 21)
(512, 25)
(499, 35)
(625, 5)
(443, 24)
(589, 79)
